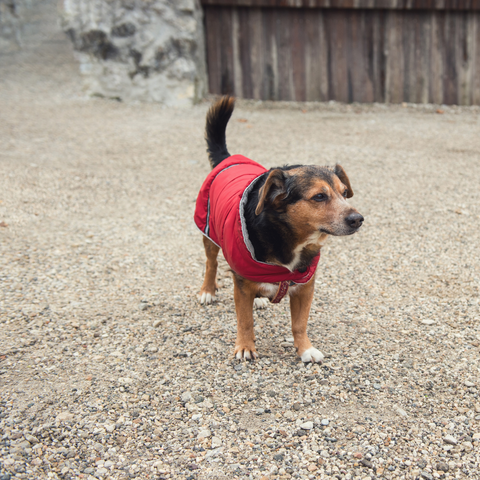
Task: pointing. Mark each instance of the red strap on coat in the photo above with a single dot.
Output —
(281, 292)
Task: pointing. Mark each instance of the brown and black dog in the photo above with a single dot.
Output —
(284, 216)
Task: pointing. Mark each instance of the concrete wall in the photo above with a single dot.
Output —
(139, 50)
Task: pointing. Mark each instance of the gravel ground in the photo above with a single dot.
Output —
(109, 368)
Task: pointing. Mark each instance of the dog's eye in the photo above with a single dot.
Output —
(320, 197)
(345, 193)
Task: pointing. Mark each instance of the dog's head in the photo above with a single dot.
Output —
(311, 199)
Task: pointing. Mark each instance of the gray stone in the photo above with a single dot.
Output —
(297, 406)
(401, 411)
(216, 442)
(442, 466)
(325, 422)
(204, 434)
(31, 438)
(139, 51)
(186, 397)
(214, 452)
(450, 439)
(307, 425)
(366, 463)
(426, 475)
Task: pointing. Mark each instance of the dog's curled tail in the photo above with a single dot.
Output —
(217, 119)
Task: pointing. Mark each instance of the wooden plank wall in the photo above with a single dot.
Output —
(375, 4)
(348, 55)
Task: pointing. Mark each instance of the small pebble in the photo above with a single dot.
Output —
(442, 466)
(401, 411)
(426, 475)
(31, 438)
(366, 463)
(450, 439)
(216, 442)
(204, 434)
(186, 397)
(307, 425)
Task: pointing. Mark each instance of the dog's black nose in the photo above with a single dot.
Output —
(354, 220)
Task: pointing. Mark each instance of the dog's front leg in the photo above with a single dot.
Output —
(244, 295)
(300, 302)
(207, 292)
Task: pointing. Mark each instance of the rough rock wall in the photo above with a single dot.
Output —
(11, 13)
(139, 50)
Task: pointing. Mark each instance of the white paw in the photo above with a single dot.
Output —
(260, 302)
(206, 298)
(246, 355)
(312, 355)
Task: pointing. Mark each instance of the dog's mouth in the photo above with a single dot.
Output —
(342, 233)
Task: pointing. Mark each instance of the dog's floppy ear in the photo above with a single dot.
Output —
(272, 191)
(340, 173)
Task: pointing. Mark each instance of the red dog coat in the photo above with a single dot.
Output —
(219, 216)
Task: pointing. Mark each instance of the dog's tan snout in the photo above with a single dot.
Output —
(354, 220)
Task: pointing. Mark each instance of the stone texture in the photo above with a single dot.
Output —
(17, 18)
(135, 50)
(10, 24)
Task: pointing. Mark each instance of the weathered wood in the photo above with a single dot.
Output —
(345, 55)
(468, 5)
(298, 55)
(283, 33)
(476, 63)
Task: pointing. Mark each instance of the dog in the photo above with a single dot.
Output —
(270, 225)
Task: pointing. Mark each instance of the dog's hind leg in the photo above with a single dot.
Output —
(244, 294)
(207, 292)
(300, 302)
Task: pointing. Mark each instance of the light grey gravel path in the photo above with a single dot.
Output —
(109, 368)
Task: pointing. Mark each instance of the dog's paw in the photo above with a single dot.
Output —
(260, 303)
(312, 355)
(245, 353)
(206, 298)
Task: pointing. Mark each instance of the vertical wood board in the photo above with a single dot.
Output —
(346, 55)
